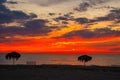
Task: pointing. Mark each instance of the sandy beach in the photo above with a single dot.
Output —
(58, 72)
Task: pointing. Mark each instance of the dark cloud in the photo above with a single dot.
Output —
(88, 4)
(11, 16)
(7, 15)
(2, 1)
(61, 18)
(64, 18)
(12, 2)
(79, 33)
(64, 22)
(83, 7)
(31, 28)
(69, 15)
(113, 15)
(82, 20)
(3, 9)
(19, 15)
(95, 2)
(97, 33)
(4, 18)
(51, 14)
(37, 27)
(32, 15)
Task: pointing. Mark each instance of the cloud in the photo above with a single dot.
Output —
(31, 28)
(7, 16)
(83, 7)
(37, 27)
(2, 39)
(82, 20)
(48, 2)
(113, 15)
(10, 16)
(64, 17)
(29, 25)
(106, 44)
(115, 49)
(64, 22)
(12, 2)
(86, 4)
(61, 18)
(97, 33)
(10, 39)
(2, 1)
(51, 14)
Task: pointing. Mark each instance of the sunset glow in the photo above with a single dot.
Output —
(60, 26)
(74, 45)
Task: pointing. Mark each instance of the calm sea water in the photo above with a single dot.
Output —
(104, 60)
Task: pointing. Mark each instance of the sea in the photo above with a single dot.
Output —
(63, 59)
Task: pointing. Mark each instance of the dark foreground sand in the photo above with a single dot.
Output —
(58, 72)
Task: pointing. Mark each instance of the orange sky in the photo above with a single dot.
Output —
(74, 45)
(80, 26)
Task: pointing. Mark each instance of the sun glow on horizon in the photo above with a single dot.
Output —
(66, 26)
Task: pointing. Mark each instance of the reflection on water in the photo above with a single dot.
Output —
(64, 59)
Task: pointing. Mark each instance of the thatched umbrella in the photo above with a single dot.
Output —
(84, 58)
(13, 55)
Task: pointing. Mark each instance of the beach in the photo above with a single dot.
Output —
(58, 72)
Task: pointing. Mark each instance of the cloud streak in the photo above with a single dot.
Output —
(48, 2)
(97, 33)
(31, 28)
(86, 4)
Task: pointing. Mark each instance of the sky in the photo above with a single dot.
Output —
(60, 26)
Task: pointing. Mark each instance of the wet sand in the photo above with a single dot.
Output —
(58, 72)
